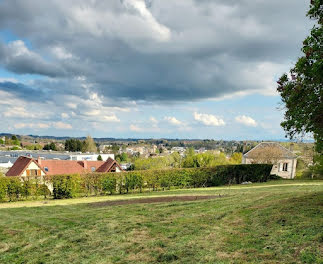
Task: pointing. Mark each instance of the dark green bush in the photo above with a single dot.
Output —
(66, 186)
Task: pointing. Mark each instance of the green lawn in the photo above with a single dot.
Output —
(275, 222)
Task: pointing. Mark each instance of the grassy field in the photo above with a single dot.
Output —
(274, 222)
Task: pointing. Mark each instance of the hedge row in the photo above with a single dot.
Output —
(67, 186)
(13, 188)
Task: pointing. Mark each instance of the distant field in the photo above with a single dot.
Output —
(274, 222)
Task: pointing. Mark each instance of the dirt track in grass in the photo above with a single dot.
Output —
(163, 199)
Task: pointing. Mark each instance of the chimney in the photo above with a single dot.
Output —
(85, 164)
(39, 161)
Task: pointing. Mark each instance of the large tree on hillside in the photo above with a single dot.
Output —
(302, 90)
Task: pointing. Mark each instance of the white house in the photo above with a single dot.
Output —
(91, 157)
(284, 161)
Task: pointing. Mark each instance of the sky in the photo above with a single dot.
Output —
(202, 69)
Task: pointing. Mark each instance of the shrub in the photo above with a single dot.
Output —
(3, 188)
(13, 189)
(26, 188)
(109, 183)
(65, 186)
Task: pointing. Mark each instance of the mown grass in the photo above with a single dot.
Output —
(275, 222)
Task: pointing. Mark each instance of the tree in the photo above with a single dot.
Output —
(302, 92)
(236, 158)
(50, 146)
(100, 158)
(74, 145)
(89, 145)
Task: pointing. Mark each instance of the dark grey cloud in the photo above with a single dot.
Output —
(160, 50)
(26, 92)
(16, 57)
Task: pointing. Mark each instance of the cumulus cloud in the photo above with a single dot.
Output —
(214, 48)
(208, 120)
(246, 120)
(62, 125)
(172, 120)
(19, 59)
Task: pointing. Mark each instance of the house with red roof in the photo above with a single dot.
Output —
(29, 167)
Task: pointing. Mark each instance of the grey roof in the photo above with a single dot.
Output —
(283, 152)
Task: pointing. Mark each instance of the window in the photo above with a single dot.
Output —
(285, 166)
(93, 169)
(33, 172)
(46, 169)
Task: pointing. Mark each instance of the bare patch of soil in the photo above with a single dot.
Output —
(162, 199)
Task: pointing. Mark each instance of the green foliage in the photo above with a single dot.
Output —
(302, 93)
(14, 188)
(15, 148)
(51, 146)
(236, 158)
(65, 186)
(206, 159)
(26, 188)
(89, 145)
(3, 187)
(69, 186)
(91, 183)
(74, 145)
(109, 183)
(33, 147)
(100, 158)
(122, 157)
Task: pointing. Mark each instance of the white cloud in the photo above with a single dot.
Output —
(21, 112)
(64, 115)
(31, 125)
(61, 53)
(18, 48)
(111, 118)
(136, 128)
(71, 105)
(172, 120)
(154, 122)
(62, 125)
(208, 120)
(162, 33)
(246, 120)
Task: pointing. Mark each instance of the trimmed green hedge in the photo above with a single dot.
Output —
(68, 186)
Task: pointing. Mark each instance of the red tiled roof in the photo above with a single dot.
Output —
(19, 166)
(57, 167)
(107, 166)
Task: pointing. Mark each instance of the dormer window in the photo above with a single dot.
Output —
(46, 169)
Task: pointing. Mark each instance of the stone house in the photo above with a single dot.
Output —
(284, 161)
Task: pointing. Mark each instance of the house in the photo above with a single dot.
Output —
(92, 157)
(284, 161)
(26, 167)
